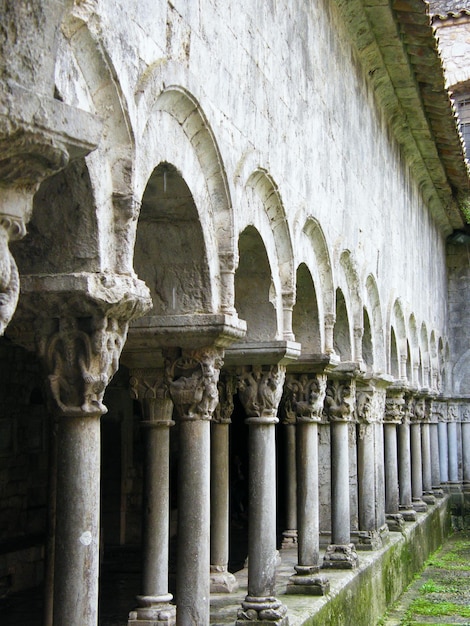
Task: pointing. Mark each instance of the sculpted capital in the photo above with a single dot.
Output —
(260, 389)
(394, 407)
(339, 400)
(193, 384)
(304, 397)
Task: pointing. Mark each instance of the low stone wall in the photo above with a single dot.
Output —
(363, 597)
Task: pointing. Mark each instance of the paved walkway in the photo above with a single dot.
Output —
(441, 594)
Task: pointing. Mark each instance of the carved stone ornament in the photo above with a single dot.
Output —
(304, 396)
(193, 387)
(263, 609)
(394, 407)
(260, 389)
(82, 355)
(408, 408)
(452, 412)
(419, 413)
(223, 411)
(151, 388)
(339, 400)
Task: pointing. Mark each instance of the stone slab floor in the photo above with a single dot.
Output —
(441, 594)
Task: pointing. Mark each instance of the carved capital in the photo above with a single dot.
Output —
(193, 385)
(408, 408)
(150, 388)
(419, 413)
(339, 400)
(81, 355)
(452, 412)
(260, 390)
(394, 407)
(304, 396)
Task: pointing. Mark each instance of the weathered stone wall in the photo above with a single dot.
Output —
(454, 42)
(24, 443)
(280, 89)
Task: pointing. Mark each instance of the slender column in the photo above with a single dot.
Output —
(260, 390)
(339, 406)
(428, 495)
(452, 438)
(416, 456)
(289, 536)
(222, 581)
(466, 447)
(80, 355)
(329, 327)
(393, 414)
(305, 395)
(404, 461)
(154, 606)
(194, 392)
(369, 405)
(436, 412)
(443, 445)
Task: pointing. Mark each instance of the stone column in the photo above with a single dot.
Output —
(465, 417)
(329, 328)
(436, 412)
(222, 581)
(443, 445)
(339, 407)
(194, 392)
(304, 398)
(416, 456)
(369, 408)
(289, 536)
(80, 355)
(404, 460)
(452, 438)
(150, 388)
(428, 495)
(393, 414)
(260, 390)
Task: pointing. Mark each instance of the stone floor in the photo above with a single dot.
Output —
(441, 595)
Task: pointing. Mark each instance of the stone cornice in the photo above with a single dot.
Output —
(398, 50)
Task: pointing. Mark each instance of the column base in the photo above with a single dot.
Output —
(408, 514)
(429, 497)
(438, 492)
(340, 557)
(454, 487)
(419, 505)
(262, 611)
(289, 539)
(368, 540)
(222, 581)
(307, 582)
(153, 611)
(395, 522)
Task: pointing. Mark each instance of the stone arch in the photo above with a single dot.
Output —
(342, 330)
(374, 311)
(96, 88)
(426, 357)
(263, 209)
(397, 324)
(170, 252)
(367, 342)
(434, 362)
(178, 132)
(313, 244)
(348, 281)
(305, 317)
(414, 350)
(394, 368)
(254, 298)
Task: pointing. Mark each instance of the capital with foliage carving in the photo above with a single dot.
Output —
(151, 388)
(394, 406)
(223, 411)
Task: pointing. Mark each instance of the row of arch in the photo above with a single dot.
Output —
(186, 238)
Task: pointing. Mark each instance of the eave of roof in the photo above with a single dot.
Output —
(397, 48)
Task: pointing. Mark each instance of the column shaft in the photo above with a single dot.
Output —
(391, 469)
(426, 459)
(77, 523)
(453, 452)
(404, 472)
(443, 452)
(290, 533)
(435, 456)
(340, 511)
(416, 467)
(307, 469)
(366, 477)
(466, 452)
(192, 581)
